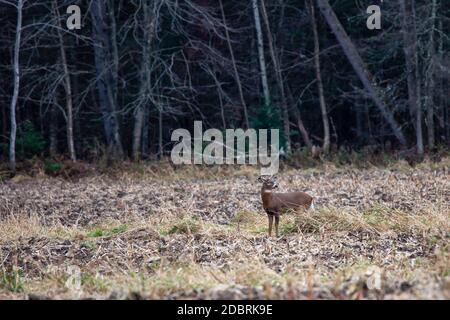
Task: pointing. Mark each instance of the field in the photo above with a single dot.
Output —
(376, 233)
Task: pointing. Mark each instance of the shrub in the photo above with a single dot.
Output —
(52, 168)
(29, 142)
(267, 117)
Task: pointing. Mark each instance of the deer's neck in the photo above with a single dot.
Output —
(266, 196)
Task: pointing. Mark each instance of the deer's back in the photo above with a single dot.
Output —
(292, 200)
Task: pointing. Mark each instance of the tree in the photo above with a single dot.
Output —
(412, 67)
(430, 77)
(68, 114)
(105, 63)
(15, 96)
(323, 107)
(279, 80)
(235, 70)
(358, 65)
(149, 22)
(260, 45)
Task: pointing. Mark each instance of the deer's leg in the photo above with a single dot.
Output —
(270, 224)
(277, 220)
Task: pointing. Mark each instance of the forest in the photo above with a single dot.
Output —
(136, 70)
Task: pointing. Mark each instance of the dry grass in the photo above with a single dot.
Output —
(377, 220)
(377, 233)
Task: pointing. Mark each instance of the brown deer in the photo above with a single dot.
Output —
(276, 203)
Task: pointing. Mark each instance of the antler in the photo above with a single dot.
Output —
(266, 178)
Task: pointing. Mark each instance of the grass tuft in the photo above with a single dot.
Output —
(10, 280)
(100, 232)
(184, 226)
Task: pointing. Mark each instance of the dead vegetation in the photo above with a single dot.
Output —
(377, 234)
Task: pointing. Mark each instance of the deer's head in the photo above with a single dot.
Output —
(269, 182)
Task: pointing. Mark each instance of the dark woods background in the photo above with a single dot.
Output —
(139, 69)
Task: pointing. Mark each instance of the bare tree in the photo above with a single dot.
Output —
(323, 106)
(149, 21)
(114, 51)
(235, 70)
(279, 79)
(443, 90)
(106, 77)
(260, 45)
(430, 77)
(13, 105)
(68, 114)
(358, 65)
(298, 117)
(412, 67)
(160, 131)
(53, 131)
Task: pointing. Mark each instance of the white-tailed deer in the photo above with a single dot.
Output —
(275, 203)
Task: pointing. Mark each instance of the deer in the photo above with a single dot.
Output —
(276, 203)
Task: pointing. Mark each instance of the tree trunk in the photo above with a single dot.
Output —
(15, 97)
(145, 135)
(302, 129)
(103, 52)
(279, 78)
(235, 70)
(443, 90)
(358, 65)
(298, 117)
(220, 94)
(114, 48)
(53, 131)
(323, 107)
(429, 79)
(222, 109)
(260, 45)
(410, 50)
(160, 134)
(137, 132)
(67, 89)
(4, 123)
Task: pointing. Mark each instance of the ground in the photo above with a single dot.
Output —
(376, 233)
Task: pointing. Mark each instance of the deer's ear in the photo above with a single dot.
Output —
(259, 179)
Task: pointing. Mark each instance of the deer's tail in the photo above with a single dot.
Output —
(312, 207)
